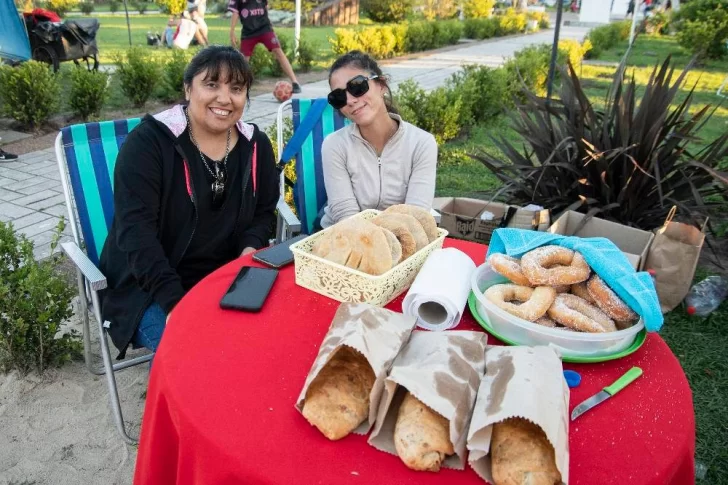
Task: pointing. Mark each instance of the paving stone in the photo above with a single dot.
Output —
(35, 197)
(30, 219)
(47, 224)
(10, 211)
(43, 204)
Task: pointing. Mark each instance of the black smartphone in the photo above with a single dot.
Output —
(279, 255)
(249, 289)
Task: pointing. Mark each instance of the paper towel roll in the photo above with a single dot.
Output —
(440, 291)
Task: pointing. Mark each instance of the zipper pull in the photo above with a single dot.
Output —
(379, 161)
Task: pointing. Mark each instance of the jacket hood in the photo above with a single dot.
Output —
(176, 122)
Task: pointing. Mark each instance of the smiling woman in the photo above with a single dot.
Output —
(379, 160)
(194, 187)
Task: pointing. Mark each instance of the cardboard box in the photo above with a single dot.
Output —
(634, 243)
(462, 218)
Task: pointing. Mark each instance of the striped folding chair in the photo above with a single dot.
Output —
(309, 192)
(86, 155)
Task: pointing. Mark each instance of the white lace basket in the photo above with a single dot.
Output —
(345, 284)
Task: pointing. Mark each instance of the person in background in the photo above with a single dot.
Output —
(170, 31)
(194, 188)
(200, 5)
(186, 31)
(201, 24)
(257, 29)
(379, 160)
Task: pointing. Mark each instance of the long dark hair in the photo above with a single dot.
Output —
(365, 62)
(217, 60)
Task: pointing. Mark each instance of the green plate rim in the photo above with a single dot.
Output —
(638, 341)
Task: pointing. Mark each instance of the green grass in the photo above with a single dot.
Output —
(113, 37)
(701, 345)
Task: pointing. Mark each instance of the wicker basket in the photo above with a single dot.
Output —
(345, 284)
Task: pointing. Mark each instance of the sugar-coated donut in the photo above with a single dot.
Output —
(554, 266)
(574, 312)
(546, 322)
(535, 301)
(581, 291)
(608, 301)
(508, 267)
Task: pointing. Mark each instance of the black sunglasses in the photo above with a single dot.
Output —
(357, 86)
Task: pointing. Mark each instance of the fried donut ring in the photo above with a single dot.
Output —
(423, 216)
(608, 301)
(582, 292)
(574, 312)
(536, 301)
(546, 322)
(508, 267)
(562, 288)
(554, 266)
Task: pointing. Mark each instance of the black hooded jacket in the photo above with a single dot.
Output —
(156, 214)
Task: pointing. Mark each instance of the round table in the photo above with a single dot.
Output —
(220, 403)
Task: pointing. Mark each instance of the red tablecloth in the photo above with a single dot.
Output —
(220, 404)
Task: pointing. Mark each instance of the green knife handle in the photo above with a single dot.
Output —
(623, 381)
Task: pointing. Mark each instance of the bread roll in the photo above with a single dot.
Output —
(403, 235)
(394, 246)
(423, 216)
(521, 455)
(421, 436)
(407, 221)
(357, 244)
(337, 401)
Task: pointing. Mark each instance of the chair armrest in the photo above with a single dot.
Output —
(436, 215)
(288, 216)
(95, 278)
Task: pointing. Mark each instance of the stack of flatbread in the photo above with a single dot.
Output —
(377, 245)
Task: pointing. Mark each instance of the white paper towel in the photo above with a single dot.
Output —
(440, 291)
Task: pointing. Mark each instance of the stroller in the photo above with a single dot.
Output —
(53, 42)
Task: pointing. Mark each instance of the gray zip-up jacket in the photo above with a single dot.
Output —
(357, 179)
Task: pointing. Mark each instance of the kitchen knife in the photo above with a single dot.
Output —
(607, 392)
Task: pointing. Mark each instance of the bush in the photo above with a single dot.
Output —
(606, 37)
(530, 65)
(62, 7)
(290, 169)
(173, 88)
(474, 9)
(702, 27)
(438, 112)
(485, 28)
(89, 90)
(420, 36)
(512, 22)
(289, 5)
(439, 9)
(87, 7)
(141, 7)
(307, 53)
(138, 74)
(574, 51)
(449, 32)
(657, 23)
(388, 10)
(485, 93)
(542, 18)
(174, 7)
(260, 61)
(30, 92)
(113, 6)
(344, 40)
(380, 41)
(34, 303)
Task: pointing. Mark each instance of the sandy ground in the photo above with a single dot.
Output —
(58, 428)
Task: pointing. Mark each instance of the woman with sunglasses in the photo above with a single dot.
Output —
(379, 159)
(194, 188)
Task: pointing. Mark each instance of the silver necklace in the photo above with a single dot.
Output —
(218, 185)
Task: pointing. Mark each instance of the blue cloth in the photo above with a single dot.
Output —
(149, 332)
(636, 289)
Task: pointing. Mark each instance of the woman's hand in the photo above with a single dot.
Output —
(234, 39)
(248, 250)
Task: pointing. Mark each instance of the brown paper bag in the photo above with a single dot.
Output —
(443, 370)
(525, 382)
(377, 333)
(674, 256)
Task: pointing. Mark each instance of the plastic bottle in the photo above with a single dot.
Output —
(704, 297)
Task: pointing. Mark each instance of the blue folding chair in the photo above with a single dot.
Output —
(309, 192)
(86, 155)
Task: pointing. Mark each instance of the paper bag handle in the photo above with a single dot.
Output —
(670, 215)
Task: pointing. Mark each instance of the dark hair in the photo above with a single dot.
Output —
(365, 62)
(217, 60)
